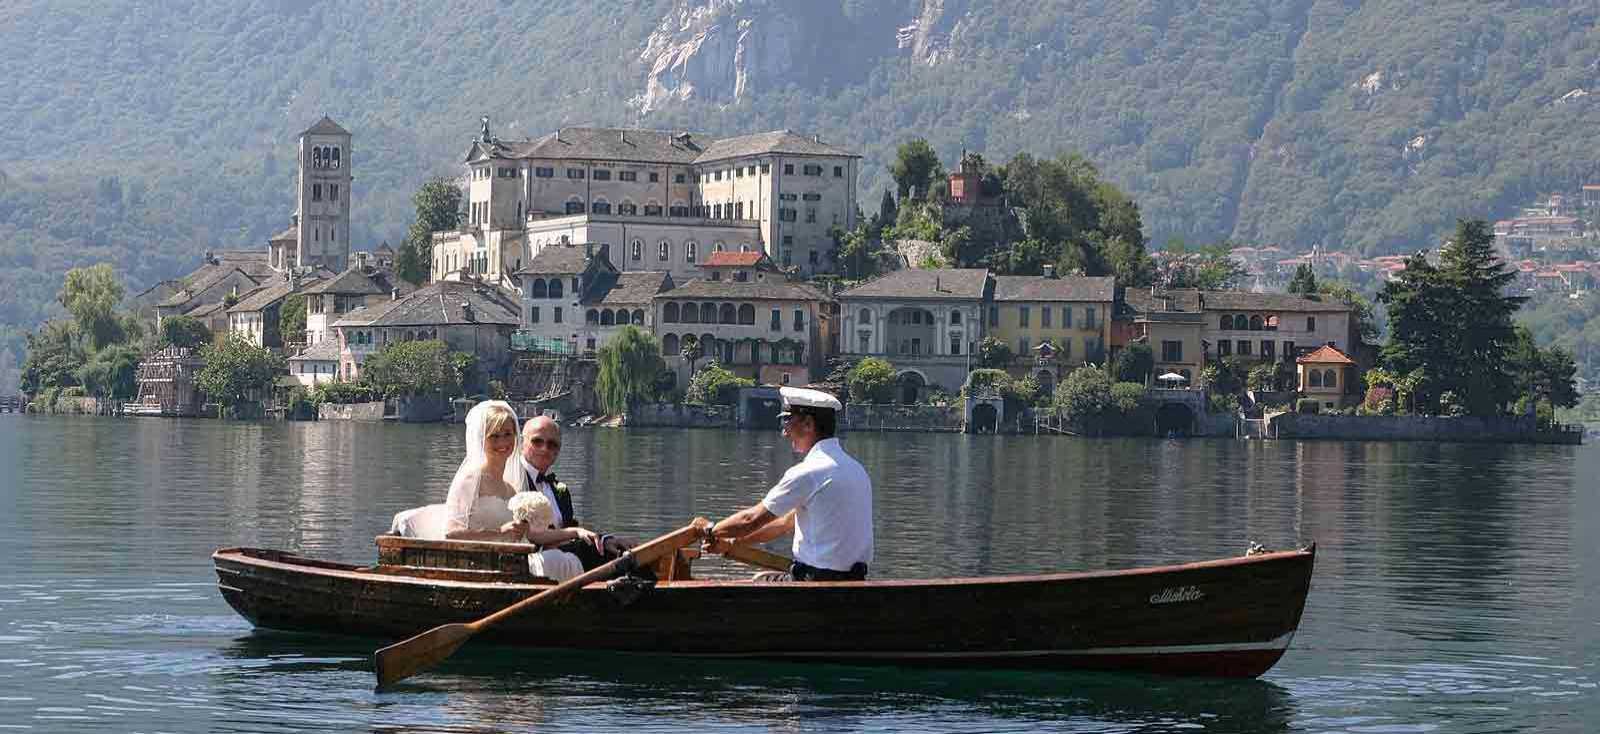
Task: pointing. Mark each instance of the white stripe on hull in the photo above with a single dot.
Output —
(1279, 643)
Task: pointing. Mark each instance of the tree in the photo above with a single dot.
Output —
(915, 168)
(886, 213)
(630, 365)
(1225, 376)
(438, 207)
(1304, 281)
(91, 295)
(54, 354)
(414, 368)
(184, 331)
(994, 353)
(1212, 268)
(1084, 396)
(1543, 375)
(1134, 363)
(112, 372)
(1366, 321)
(691, 350)
(715, 385)
(1454, 320)
(858, 253)
(292, 319)
(872, 381)
(235, 369)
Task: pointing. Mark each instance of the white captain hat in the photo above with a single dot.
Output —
(806, 398)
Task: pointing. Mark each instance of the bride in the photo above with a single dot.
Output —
(476, 507)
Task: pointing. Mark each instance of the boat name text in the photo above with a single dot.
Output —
(1177, 595)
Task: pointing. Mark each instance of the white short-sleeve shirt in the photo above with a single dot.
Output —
(831, 490)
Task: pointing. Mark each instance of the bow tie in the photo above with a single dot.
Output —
(549, 479)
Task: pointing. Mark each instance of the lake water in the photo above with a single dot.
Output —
(1457, 587)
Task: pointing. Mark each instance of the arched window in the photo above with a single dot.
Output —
(744, 247)
(669, 345)
(316, 157)
(691, 313)
(717, 246)
(592, 317)
(747, 314)
(665, 252)
(1255, 323)
(691, 249)
(1316, 377)
(708, 313)
(574, 206)
(555, 287)
(539, 289)
(638, 250)
(1330, 378)
(955, 318)
(727, 314)
(1227, 322)
(755, 351)
(335, 157)
(669, 313)
(607, 318)
(600, 206)
(865, 317)
(638, 316)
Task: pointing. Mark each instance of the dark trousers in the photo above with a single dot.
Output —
(592, 558)
(801, 572)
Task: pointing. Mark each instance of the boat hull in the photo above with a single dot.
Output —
(1232, 617)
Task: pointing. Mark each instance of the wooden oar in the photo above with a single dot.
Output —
(404, 659)
(758, 557)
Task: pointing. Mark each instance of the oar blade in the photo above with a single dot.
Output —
(409, 657)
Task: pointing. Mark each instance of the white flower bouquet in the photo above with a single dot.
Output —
(532, 508)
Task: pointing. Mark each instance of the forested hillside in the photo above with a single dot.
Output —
(144, 133)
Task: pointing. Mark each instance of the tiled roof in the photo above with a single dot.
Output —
(764, 290)
(945, 283)
(262, 297)
(205, 310)
(355, 280)
(729, 258)
(628, 289)
(290, 234)
(438, 304)
(559, 260)
(602, 143)
(326, 350)
(782, 142)
(1326, 354)
(326, 126)
(1140, 300)
(1065, 288)
(1242, 301)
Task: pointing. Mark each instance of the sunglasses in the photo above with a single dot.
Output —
(540, 443)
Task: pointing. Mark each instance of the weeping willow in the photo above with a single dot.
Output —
(630, 365)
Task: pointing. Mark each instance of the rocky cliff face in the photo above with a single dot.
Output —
(722, 51)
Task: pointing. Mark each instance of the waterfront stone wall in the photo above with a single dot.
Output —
(1520, 429)
(679, 415)
(372, 411)
(928, 418)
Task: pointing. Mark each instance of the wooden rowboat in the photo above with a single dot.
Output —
(1232, 617)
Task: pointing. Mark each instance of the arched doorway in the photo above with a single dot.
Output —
(911, 386)
(1174, 419)
(984, 419)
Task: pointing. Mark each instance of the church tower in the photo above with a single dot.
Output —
(323, 200)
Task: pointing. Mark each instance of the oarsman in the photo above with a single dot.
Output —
(825, 500)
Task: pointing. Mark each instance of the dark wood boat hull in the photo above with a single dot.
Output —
(1232, 617)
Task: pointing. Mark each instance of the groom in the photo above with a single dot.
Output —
(541, 446)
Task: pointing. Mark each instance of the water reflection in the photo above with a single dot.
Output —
(1455, 585)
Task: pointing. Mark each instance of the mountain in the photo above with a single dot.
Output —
(144, 133)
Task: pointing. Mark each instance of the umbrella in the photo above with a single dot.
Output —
(1172, 377)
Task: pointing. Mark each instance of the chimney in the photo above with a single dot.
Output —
(394, 294)
(361, 259)
(622, 135)
(816, 138)
(1049, 271)
(466, 312)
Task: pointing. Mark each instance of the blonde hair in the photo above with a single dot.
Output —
(496, 418)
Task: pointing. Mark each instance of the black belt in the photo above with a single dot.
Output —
(802, 572)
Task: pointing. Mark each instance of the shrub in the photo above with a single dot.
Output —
(872, 381)
(715, 385)
(1223, 403)
(1309, 406)
(1134, 363)
(1084, 395)
(341, 393)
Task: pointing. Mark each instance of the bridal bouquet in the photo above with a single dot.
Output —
(532, 508)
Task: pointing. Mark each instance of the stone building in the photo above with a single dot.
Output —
(322, 221)
(1329, 376)
(221, 273)
(1171, 323)
(663, 201)
(772, 331)
(1276, 326)
(740, 267)
(471, 317)
(364, 283)
(615, 300)
(927, 323)
(552, 287)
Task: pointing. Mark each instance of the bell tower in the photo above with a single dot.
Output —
(323, 199)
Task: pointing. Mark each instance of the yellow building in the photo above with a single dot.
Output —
(1071, 314)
